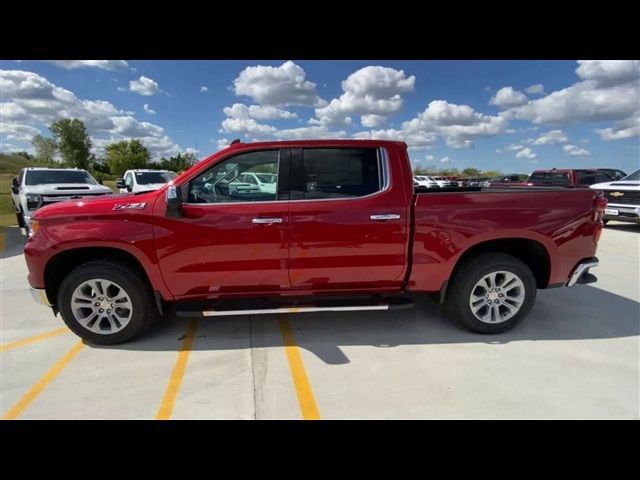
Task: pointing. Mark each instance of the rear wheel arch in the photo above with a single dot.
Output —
(531, 252)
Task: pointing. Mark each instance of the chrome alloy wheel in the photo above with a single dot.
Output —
(497, 297)
(101, 306)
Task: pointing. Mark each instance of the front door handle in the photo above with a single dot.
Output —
(385, 216)
(262, 220)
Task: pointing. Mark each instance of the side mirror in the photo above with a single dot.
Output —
(129, 188)
(174, 202)
(14, 185)
(100, 181)
(120, 183)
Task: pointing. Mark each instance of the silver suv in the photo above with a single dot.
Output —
(36, 187)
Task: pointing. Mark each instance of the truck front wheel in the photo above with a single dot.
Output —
(106, 302)
(492, 293)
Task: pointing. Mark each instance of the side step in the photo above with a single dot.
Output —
(221, 309)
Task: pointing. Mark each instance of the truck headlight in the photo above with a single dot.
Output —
(33, 201)
(34, 226)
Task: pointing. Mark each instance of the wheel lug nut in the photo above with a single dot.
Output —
(108, 311)
(101, 310)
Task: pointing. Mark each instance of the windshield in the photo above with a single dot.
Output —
(149, 178)
(552, 178)
(266, 177)
(633, 176)
(44, 177)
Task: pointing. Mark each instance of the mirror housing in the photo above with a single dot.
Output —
(14, 185)
(120, 183)
(100, 181)
(174, 201)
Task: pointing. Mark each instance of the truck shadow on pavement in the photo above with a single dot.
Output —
(12, 243)
(623, 227)
(580, 313)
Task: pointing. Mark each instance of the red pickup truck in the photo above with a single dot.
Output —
(336, 226)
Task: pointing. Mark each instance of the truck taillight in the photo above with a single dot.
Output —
(599, 204)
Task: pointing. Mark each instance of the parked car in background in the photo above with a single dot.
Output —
(36, 187)
(566, 177)
(444, 182)
(266, 182)
(143, 180)
(345, 230)
(504, 181)
(623, 198)
(424, 181)
(614, 173)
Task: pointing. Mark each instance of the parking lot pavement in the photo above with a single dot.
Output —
(576, 356)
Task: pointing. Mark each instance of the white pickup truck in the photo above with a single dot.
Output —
(143, 180)
(36, 187)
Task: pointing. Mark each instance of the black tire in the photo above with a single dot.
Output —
(470, 273)
(604, 222)
(20, 218)
(144, 311)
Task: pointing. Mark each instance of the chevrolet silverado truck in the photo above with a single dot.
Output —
(344, 230)
(623, 198)
(37, 187)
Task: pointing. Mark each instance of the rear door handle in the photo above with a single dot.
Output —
(262, 220)
(385, 216)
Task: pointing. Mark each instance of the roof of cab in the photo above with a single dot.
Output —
(319, 143)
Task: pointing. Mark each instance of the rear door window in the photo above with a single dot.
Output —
(327, 173)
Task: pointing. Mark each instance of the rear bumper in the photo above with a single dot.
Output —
(40, 296)
(580, 274)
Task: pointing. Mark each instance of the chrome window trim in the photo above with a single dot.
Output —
(383, 160)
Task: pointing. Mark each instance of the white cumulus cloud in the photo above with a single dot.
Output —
(575, 151)
(507, 97)
(285, 85)
(260, 112)
(608, 72)
(526, 153)
(203, 89)
(552, 137)
(144, 86)
(102, 64)
(373, 93)
(537, 89)
(31, 103)
(148, 109)
(628, 128)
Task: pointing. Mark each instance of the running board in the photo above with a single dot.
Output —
(208, 311)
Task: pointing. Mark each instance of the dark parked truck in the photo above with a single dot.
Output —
(343, 230)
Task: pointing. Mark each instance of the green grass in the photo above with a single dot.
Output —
(7, 216)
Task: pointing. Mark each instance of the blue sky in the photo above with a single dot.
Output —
(515, 116)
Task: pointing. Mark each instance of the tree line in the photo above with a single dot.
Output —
(468, 172)
(70, 140)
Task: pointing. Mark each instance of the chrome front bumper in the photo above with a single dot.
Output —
(582, 270)
(40, 296)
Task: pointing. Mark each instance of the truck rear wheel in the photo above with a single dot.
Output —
(492, 293)
(106, 302)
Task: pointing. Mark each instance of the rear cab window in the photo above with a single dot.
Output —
(337, 173)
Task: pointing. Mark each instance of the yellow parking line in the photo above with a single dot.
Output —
(306, 400)
(40, 385)
(36, 338)
(166, 407)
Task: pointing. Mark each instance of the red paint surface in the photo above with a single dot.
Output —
(322, 245)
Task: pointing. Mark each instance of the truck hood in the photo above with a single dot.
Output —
(67, 189)
(107, 205)
(618, 185)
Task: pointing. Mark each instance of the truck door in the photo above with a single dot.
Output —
(348, 220)
(229, 240)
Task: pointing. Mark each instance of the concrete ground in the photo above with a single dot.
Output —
(576, 356)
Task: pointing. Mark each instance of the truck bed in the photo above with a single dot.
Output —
(447, 222)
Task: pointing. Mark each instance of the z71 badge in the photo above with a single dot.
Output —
(129, 206)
